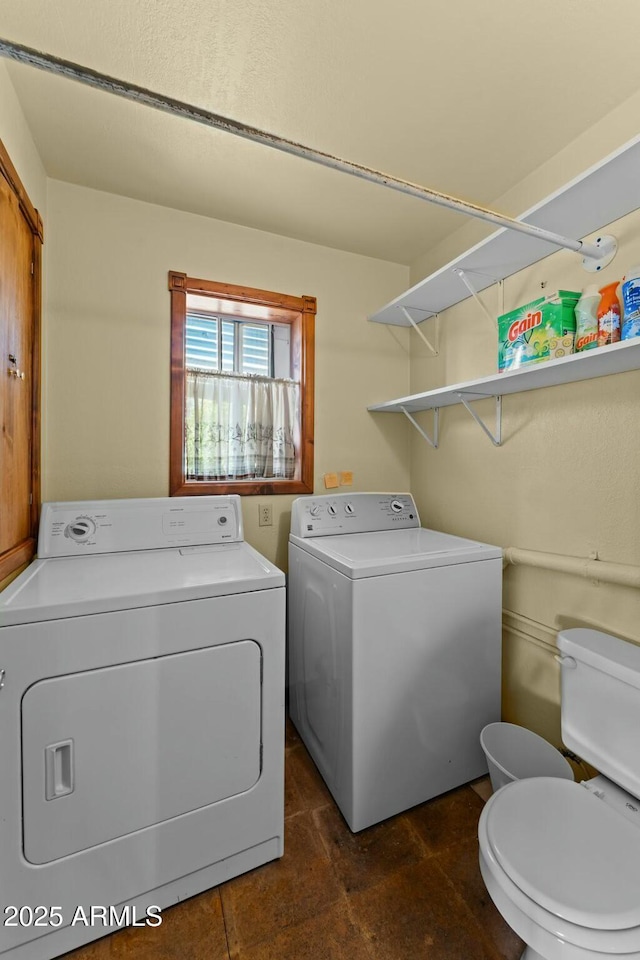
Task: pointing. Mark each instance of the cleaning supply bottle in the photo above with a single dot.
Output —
(587, 319)
(631, 304)
(609, 315)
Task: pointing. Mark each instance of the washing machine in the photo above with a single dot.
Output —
(394, 651)
(141, 717)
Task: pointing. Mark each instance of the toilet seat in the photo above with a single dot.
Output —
(540, 928)
(568, 853)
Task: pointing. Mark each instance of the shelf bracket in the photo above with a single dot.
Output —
(496, 439)
(433, 441)
(433, 350)
(475, 296)
(608, 247)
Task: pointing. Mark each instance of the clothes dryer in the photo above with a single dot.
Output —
(142, 716)
(394, 651)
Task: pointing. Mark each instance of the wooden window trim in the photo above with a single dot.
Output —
(300, 313)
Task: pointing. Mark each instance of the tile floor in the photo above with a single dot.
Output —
(403, 890)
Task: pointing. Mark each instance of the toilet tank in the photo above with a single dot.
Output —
(600, 703)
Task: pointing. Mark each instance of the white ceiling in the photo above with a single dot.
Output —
(463, 96)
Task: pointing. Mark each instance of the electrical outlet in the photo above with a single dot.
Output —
(265, 517)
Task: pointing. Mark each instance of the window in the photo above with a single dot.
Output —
(241, 389)
(218, 344)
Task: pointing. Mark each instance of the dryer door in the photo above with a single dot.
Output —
(111, 751)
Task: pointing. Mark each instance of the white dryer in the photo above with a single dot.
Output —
(394, 651)
(141, 715)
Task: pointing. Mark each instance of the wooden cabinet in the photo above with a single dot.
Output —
(20, 270)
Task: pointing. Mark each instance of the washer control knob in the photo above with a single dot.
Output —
(349, 509)
(397, 506)
(314, 510)
(331, 510)
(80, 529)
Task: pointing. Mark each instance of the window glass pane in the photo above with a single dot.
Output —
(253, 354)
(228, 351)
(256, 353)
(201, 342)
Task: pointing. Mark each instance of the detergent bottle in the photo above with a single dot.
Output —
(587, 319)
(609, 315)
(631, 304)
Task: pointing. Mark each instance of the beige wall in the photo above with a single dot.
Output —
(106, 404)
(19, 144)
(566, 477)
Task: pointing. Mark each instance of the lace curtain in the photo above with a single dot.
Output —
(239, 427)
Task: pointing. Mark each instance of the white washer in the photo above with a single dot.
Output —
(394, 651)
(141, 715)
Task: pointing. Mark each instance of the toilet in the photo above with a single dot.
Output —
(561, 860)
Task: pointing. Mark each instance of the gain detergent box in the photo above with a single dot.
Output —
(541, 330)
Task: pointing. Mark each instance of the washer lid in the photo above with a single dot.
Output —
(568, 851)
(60, 587)
(394, 551)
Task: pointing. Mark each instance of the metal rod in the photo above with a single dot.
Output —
(131, 91)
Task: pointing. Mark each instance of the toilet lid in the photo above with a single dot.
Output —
(568, 851)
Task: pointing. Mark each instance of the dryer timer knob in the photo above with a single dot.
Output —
(80, 529)
(397, 506)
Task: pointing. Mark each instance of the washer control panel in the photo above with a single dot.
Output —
(116, 526)
(352, 513)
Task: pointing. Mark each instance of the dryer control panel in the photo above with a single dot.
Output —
(116, 526)
(352, 513)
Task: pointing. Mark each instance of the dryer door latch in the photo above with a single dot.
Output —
(58, 766)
